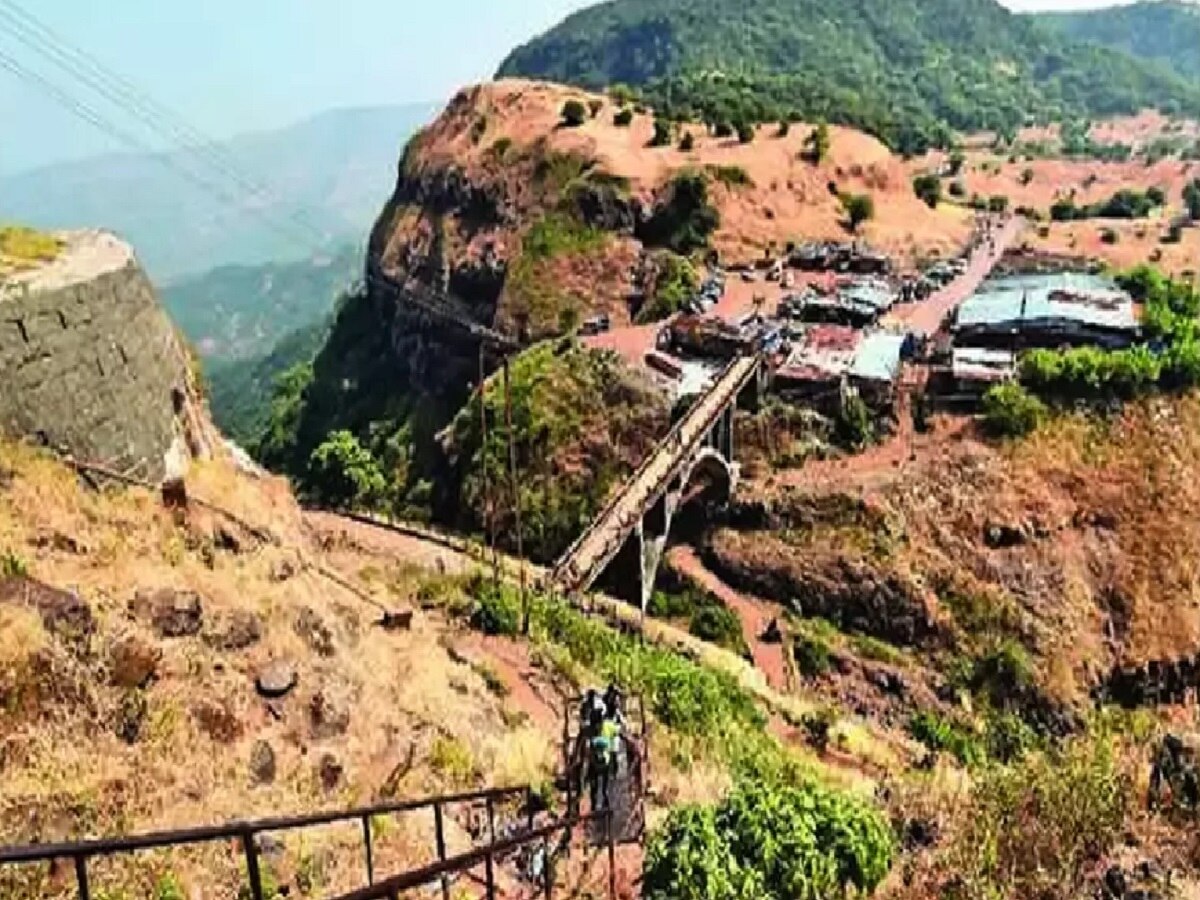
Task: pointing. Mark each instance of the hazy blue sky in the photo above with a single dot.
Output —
(234, 65)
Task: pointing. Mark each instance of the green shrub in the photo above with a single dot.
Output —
(785, 128)
(675, 282)
(818, 726)
(928, 188)
(663, 131)
(344, 474)
(452, 759)
(574, 113)
(997, 204)
(594, 107)
(817, 144)
(1109, 236)
(497, 612)
(1037, 829)
(718, 625)
(12, 565)
(943, 736)
(1011, 411)
(687, 143)
(683, 220)
(745, 132)
(796, 841)
(731, 176)
(813, 656)
(859, 208)
(168, 888)
(957, 189)
(668, 605)
(854, 426)
(622, 118)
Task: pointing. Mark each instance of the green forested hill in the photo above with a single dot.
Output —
(907, 70)
(1164, 31)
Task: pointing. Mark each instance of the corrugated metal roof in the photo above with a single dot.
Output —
(878, 357)
(978, 364)
(1068, 296)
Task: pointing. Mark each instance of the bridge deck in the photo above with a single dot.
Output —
(583, 562)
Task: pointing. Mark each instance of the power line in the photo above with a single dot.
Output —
(126, 96)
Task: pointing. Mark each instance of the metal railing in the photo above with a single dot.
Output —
(246, 833)
(391, 888)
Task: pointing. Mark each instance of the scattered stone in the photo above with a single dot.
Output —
(329, 713)
(131, 716)
(331, 771)
(59, 542)
(773, 634)
(314, 631)
(277, 679)
(282, 570)
(236, 630)
(1002, 535)
(173, 613)
(228, 539)
(262, 762)
(64, 615)
(133, 661)
(397, 621)
(217, 720)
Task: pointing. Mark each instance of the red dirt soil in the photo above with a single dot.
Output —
(755, 614)
(789, 199)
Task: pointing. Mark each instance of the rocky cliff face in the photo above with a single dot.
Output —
(89, 362)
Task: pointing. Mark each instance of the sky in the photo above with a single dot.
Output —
(229, 66)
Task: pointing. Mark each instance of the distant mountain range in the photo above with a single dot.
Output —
(239, 312)
(1162, 31)
(333, 170)
(906, 70)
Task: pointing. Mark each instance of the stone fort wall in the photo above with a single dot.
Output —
(89, 361)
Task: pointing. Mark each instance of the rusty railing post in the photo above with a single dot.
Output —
(81, 878)
(547, 873)
(366, 825)
(439, 830)
(490, 805)
(490, 875)
(529, 808)
(612, 857)
(252, 872)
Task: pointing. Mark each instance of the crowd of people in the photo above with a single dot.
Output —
(602, 743)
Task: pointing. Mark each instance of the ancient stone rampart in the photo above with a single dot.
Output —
(89, 361)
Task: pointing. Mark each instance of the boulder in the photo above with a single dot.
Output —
(235, 630)
(330, 771)
(64, 615)
(133, 661)
(217, 720)
(173, 613)
(131, 716)
(329, 713)
(277, 679)
(262, 762)
(314, 632)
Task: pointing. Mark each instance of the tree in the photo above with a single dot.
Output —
(997, 204)
(342, 473)
(957, 160)
(574, 114)
(662, 133)
(859, 208)
(623, 117)
(1026, 176)
(1156, 195)
(688, 142)
(817, 144)
(745, 132)
(594, 107)
(928, 188)
(785, 128)
(1011, 411)
(622, 94)
(1191, 199)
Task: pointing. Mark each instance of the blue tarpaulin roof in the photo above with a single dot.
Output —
(1069, 296)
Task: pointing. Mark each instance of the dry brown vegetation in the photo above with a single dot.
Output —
(130, 641)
